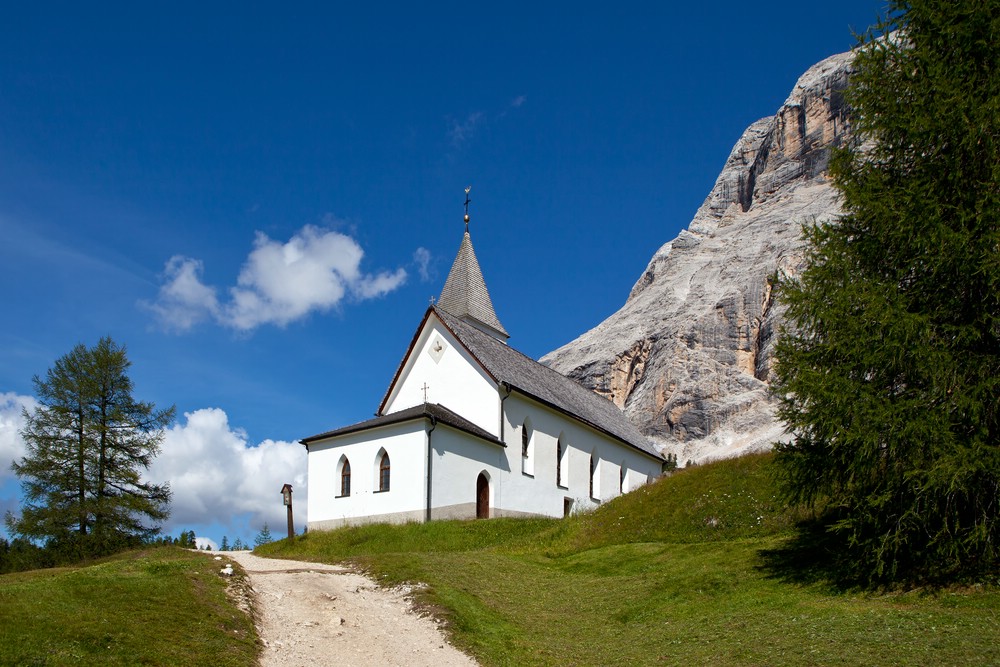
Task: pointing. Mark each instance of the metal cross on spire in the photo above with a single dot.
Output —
(467, 200)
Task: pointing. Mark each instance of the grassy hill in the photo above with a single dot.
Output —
(164, 606)
(682, 571)
(691, 570)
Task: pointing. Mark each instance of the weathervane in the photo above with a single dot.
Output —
(467, 200)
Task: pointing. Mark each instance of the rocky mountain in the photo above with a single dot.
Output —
(689, 357)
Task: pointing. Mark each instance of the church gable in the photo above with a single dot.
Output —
(451, 362)
(437, 368)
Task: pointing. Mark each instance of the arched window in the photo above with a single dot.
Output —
(593, 476)
(383, 472)
(527, 447)
(560, 453)
(345, 478)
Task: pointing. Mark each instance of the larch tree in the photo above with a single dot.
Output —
(890, 371)
(128, 434)
(88, 444)
(54, 472)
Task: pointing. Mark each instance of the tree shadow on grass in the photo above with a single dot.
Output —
(813, 555)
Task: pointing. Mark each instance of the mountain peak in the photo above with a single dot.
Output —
(689, 356)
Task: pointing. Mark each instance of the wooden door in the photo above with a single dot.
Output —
(482, 497)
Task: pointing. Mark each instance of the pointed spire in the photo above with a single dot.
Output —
(464, 294)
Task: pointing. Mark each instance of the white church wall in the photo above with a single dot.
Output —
(453, 379)
(404, 501)
(456, 463)
(538, 493)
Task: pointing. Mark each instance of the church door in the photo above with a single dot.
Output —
(482, 497)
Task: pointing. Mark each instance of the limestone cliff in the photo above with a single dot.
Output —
(689, 356)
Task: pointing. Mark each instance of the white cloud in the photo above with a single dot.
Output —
(380, 285)
(205, 543)
(216, 475)
(11, 422)
(461, 132)
(279, 283)
(184, 300)
(422, 258)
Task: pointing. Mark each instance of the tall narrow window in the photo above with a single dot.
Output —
(527, 461)
(623, 475)
(383, 473)
(593, 474)
(559, 462)
(345, 479)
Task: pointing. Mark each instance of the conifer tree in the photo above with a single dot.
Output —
(87, 445)
(264, 536)
(890, 374)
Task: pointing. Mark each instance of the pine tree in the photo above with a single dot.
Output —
(890, 374)
(87, 445)
(264, 536)
(225, 544)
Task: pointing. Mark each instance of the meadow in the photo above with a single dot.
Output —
(706, 566)
(162, 606)
(703, 567)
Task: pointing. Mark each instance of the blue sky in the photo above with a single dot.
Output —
(259, 201)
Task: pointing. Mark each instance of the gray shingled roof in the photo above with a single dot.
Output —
(424, 411)
(548, 386)
(465, 295)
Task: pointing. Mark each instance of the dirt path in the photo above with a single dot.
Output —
(314, 614)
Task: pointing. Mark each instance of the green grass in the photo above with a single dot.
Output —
(675, 573)
(164, 606)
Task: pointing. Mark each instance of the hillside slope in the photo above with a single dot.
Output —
(690, 569)
(689, 356)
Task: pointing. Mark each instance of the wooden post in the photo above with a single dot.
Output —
(286, 496)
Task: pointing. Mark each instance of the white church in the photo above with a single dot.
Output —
(471, 428)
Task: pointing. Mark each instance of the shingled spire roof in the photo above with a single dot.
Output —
(465, 295)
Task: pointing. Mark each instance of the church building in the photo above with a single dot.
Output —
(471, 428)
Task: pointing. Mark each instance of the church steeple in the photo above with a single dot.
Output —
(464, 294)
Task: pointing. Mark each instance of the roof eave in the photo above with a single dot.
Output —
(599, 429)
(426, 414)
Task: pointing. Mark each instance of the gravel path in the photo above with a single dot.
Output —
(315, 614)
